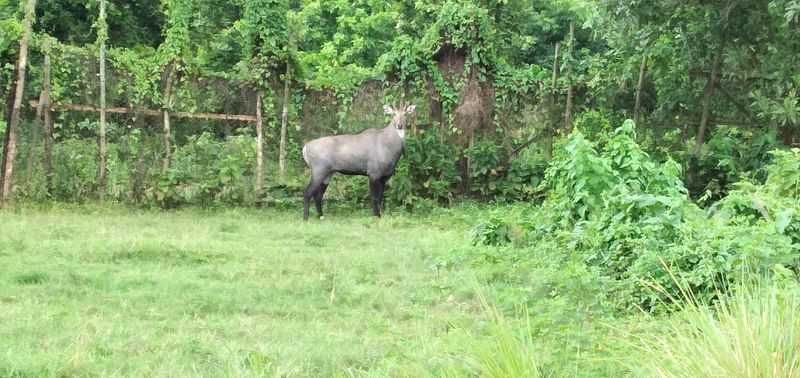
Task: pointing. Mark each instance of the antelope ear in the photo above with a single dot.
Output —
(388, 109)
(410, 109)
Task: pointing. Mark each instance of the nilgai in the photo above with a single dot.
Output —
(373, 153)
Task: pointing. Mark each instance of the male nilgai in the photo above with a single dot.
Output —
(373, 153)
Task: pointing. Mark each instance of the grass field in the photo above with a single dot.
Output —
(90, 291)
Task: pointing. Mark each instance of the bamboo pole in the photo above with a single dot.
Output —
(10, 149)
(101, 177)
(284, 122)
(167, 103)
(149, 112)
(7, 136)
(140, 169)
(551, 129)
(568, 111)
(259, 147)
(47, 159)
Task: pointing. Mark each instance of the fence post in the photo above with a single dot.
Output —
(259, 147)
(568, 111)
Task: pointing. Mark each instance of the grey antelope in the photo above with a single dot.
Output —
(373, 153)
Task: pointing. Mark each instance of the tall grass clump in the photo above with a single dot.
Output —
(755, 333)
(501, 349)
(507, 354)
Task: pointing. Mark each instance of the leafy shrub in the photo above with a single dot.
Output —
(491, 232)
(207, 172)
(576, 179)
(729, 155)
(492, 178)
(204, 171)
(75, 167)
(428, 169)
(632, 218)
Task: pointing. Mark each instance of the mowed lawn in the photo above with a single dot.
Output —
(88, 292)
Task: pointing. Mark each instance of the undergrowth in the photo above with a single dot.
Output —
(630, 217)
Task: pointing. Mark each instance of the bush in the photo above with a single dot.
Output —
(428, 169)
(494, 231)
(729, 155)
(492, 178)
(206, 171)
(75, 167)
(632, 218)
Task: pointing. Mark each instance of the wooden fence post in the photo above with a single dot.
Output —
(284, 122)
(47, 159)
(551, 130)
(167, 102)
(101, 177)
(259, 147)
(568, 111)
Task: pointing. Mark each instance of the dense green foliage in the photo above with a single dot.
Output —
(631, 218)
(480, 72)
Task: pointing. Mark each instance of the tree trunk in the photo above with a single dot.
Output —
(101, 177)
(167, 105)
(707, 92)
(284, 122)
(638, 103)
(551, 129)
(10, 148)
(259, 147)
(568, 111)
(48, 125)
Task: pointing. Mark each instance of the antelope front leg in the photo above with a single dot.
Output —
(375, 189)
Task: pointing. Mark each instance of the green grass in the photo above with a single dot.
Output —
(233, 293)
(92, 291)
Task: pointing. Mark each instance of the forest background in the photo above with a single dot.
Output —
(711, 85)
